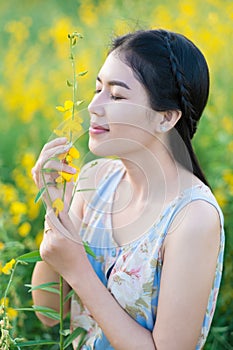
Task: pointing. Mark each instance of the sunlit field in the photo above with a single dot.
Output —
(34, 69)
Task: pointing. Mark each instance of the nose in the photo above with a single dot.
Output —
(96, 108)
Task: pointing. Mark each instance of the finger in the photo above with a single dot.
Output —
(49, 153)
(56, 142)
(44, 159)
(59, 166)
(53, 222)
(62, 224)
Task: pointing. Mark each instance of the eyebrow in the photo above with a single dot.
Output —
(115, 82)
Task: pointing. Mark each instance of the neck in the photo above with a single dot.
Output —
(153, 173)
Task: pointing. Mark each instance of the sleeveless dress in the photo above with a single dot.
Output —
(132, 272)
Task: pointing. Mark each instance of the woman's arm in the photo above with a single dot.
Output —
(190, 256)
(43, 273)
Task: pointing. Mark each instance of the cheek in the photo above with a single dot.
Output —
(130, 130)
(128, 115)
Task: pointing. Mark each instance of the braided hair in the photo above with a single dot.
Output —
(175, 75)
(185, 100)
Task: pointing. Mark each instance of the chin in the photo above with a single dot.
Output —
(99, 149)
(119, 147)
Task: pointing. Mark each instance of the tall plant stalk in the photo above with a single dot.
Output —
(73, 40)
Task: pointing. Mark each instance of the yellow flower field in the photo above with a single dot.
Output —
(34, 69)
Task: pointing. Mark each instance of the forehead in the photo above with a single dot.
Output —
(115, 69)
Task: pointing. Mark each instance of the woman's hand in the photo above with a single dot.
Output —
(62, 247)
(47, 168)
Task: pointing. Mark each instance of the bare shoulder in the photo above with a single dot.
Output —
(197, 224)
(199, 216)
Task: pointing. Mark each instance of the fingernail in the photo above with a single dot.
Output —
(68, 146)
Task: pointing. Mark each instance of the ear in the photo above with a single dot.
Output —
(169, 119)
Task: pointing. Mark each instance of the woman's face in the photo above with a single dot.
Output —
(121, 118)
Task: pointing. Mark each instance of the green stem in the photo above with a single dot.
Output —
(45, 184)
(61, 314)
(64, 191)
(7, 289)
(9, 283)
(72, 57)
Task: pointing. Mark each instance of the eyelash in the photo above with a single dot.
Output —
(113, 97)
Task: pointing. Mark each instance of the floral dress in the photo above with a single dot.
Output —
(132, 272)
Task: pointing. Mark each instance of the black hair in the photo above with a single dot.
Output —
(175, 75)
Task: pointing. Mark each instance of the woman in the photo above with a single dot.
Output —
(152, 221)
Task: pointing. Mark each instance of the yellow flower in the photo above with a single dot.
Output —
(68, 105)
(74, 153)
(69, 126)
(220, 196)
(2, 245)
(68, 157)
(24, 229)
(33, 209)
(58, 205)
(8, 267)
(18, 208)
(64, 177)
(6, 300)
(16, 219)
(67, 176)
(8, 193)
(228, 177)
(12, 313)
(88, 14)
(39, 238)
(28, 160)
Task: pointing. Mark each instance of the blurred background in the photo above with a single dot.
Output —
(34, 68)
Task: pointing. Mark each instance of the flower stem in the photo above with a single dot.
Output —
(9, 283)
(61, 314)
(74, 82)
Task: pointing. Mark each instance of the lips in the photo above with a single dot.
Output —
(98, 128)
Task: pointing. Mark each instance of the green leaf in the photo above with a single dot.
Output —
(39, 194)
(78, 331)
(78, 103)
(93, 164)
(78, 35)
(69, 295)
(81, 340)
(86, 189)
(89, 250)
(45, 286)
(65, 332)
(68, 83)
(35, 342)
(81, 74)
(46, 311)
(30, 257)
(48, 170)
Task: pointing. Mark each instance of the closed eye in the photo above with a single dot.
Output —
(116, 98)
(112, 97)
